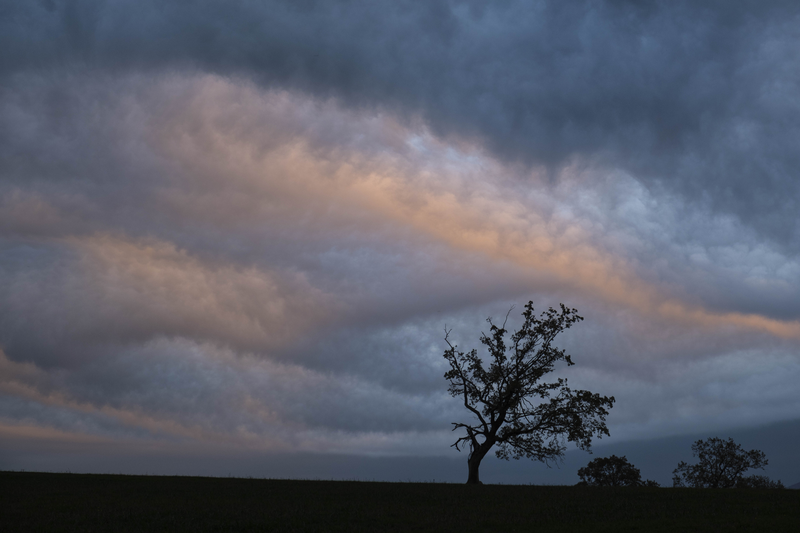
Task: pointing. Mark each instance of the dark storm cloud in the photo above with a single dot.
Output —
(699, 97)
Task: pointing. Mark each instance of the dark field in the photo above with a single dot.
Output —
(78, 502)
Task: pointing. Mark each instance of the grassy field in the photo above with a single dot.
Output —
(77, 502)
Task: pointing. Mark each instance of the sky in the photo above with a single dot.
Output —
(232, 233)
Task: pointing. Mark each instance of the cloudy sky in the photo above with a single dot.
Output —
(239, 228)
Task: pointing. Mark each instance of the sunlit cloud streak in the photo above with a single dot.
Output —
(691, 96)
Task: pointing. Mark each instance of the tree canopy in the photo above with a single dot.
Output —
(512, 406)
(721, 464)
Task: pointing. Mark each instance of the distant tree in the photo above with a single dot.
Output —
(512, 408)
(722, 464)
(612, 472)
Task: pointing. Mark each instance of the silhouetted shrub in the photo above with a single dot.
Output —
(758, 482)
(612, 472)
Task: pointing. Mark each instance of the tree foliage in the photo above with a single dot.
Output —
(721, 464)
(612, 472)
(513, 408)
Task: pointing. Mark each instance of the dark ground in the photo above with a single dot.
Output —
(88, 502)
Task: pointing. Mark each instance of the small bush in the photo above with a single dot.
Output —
(612, 472)
(758, 482)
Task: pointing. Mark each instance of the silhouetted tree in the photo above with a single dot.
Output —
(612, 472)
(722, 464)
(512, 408)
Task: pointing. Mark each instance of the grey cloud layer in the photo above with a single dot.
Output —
(698, 97)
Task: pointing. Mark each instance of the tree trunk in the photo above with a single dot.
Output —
(474, 463)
